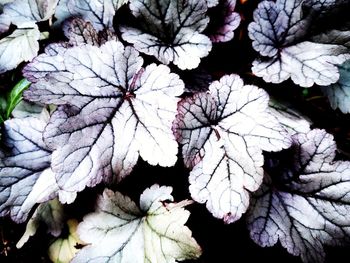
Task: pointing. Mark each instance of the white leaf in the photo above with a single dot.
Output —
(306, 203)
(156, 232)
(283, 35)
(113, 112)
(212, 3)
(21, 45)
(22, 12)
(25, 175)
(99, 12)
(170, 31)
(339, 93)
(306, 63)
(5, 22)
(223, 133)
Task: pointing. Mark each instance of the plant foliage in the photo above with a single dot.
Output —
(92, 89)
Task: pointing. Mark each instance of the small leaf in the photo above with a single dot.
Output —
(26, 109)
(339, 93)
(63, 250)
(99, 12)
(221, 28)
(223, 133)
(170, 30)
(305, 204)
(79, 32)
(15, 96)
(49, 213)
(24, 41)
(156, 230)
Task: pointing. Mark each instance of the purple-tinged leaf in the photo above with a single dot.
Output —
(99, 12)
(223, 133)
(305, 204)
(221, 28)
(4, 24)
(79, 32)
(170, 30)
(282, 32)
(112, 111)
(25, 174)
(120, 231)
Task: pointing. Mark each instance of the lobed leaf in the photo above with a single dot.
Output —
(156, 230)
(170, 30)
(306, 205)
(287, 38)
(112, 111)
(223, 133)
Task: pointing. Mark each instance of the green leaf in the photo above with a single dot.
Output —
(15, 96)
(64, 249)
(3, 104)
